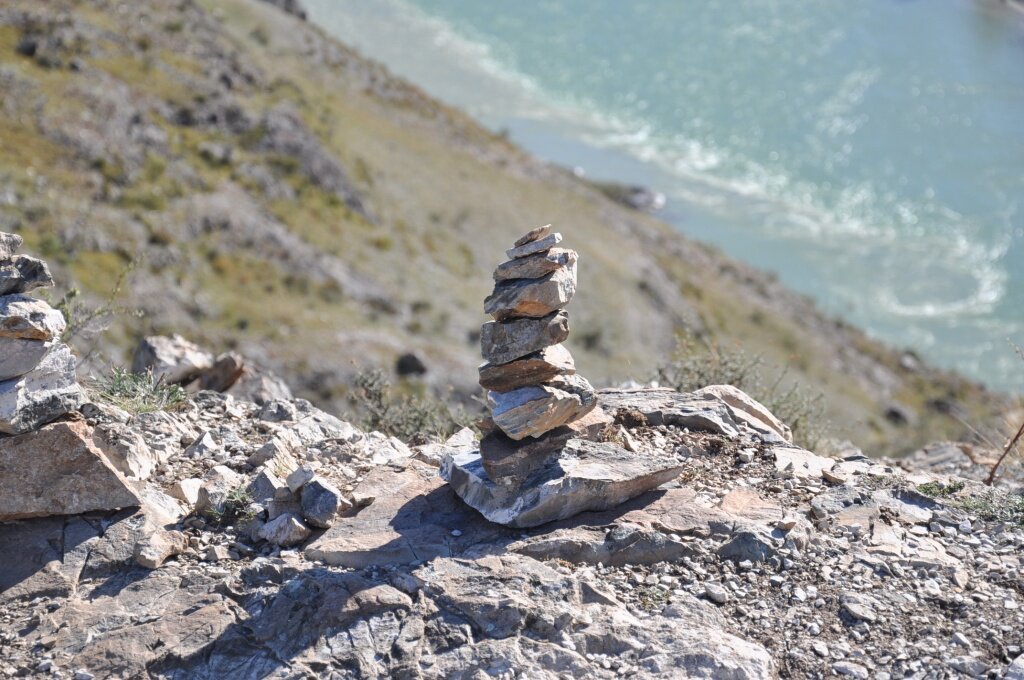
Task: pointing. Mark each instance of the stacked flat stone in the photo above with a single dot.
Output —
(533, 391)
(37, 370)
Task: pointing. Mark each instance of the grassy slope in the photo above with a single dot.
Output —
(444, 198)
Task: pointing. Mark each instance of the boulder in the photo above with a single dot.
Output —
(45, 393)
(22, 273)
(501, 343)
(58, 470)
(174, 359)
(537, 265)
(532, 411)
(537, 246)
(532, 369)
(586, 476)
(662, 406)
(286, 530)
(18, 356)
(27, 318)
(9, 244)
(533, 298)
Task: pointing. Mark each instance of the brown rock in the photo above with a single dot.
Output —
(533, 235)
(532, 411)
(531, 297)
(27, 318)
(509, 461)
(532, 369)
(153, 550)
(501, 343)
(536, 266)
(226, 371)
(57, 470)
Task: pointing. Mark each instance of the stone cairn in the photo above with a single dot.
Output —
(540, 459)
(530, 377)
(37, 371)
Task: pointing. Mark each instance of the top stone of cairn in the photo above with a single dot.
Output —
(533, 235)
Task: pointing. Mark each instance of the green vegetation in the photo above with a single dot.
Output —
(412, 417)
(237, 507)
(138, 392)
(697, 365)
(940, 490)
(990, 505)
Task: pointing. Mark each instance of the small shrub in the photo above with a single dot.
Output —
(238, 507)
(696, 365)
(410, 417)
(138, 392)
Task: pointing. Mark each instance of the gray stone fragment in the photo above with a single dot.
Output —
(43, 394)
(321, 503)
(505, 342)
(540, 245)
(586, 476)
(531, 298)
(9, 244)
(22, 273)
(18, 356)
(29, 319)
(537, 265)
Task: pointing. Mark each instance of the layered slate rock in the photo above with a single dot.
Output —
(584, 476)
(58, 470)
(37, 371)
(539, 462)
(532, 369)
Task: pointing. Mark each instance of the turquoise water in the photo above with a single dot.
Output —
(871, 153)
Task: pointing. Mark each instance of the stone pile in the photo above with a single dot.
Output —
(540, 459)
(37, 370)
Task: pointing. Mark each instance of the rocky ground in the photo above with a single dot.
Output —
(280, 541)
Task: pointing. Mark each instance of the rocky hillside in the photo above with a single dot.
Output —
(278, 541)
(268, 190)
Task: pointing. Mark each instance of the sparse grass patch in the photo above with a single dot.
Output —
(940, 490)
(410, 417)
(138, 392)
(237, 508)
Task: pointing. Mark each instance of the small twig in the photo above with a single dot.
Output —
(1009, 447)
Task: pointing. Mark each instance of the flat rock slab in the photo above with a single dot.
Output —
(533, 235)
(533, 298)
(536, 266)
(411, 517)
(532, 411)
(537, 246)
(58, 471)
(586, 476)
(532, 369)
(501, 343)
(660, 406)
(42, 395)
